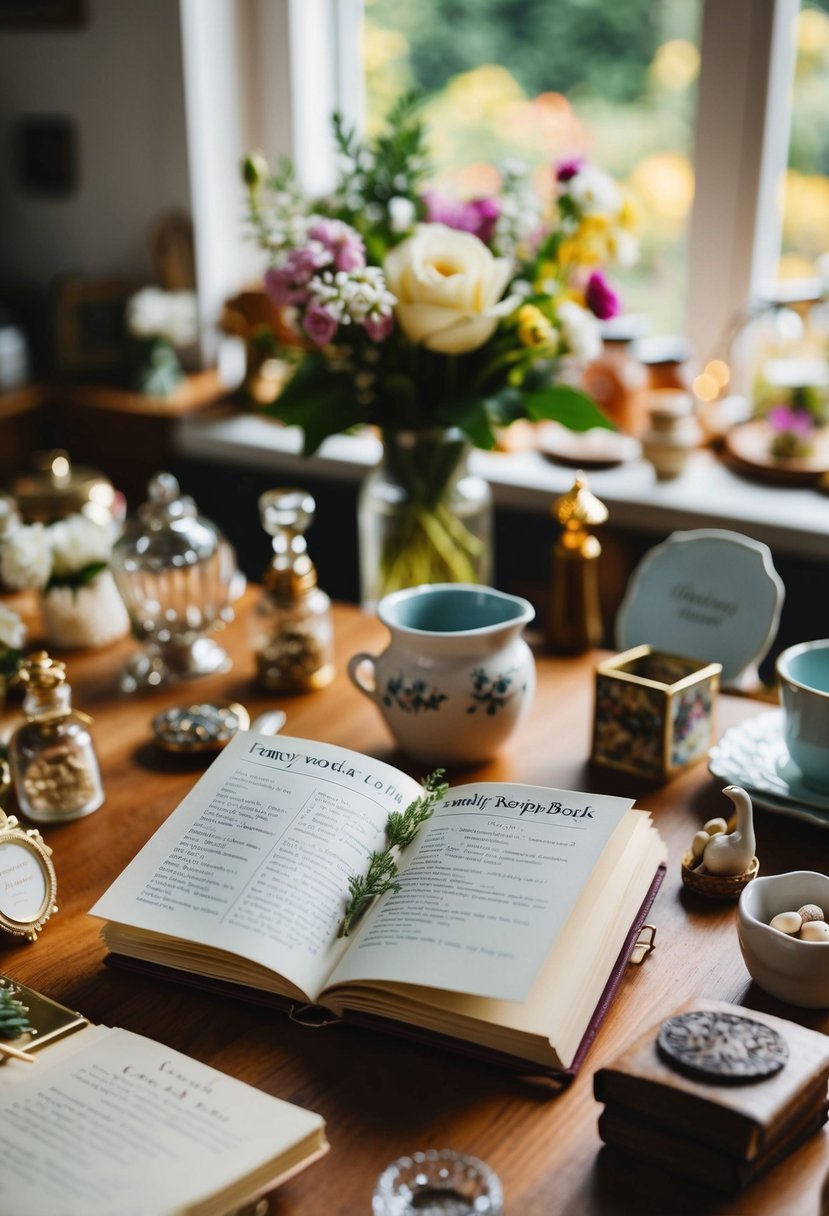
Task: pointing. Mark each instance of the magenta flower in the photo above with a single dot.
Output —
(785, 418)
(378, 328)
(319, 324)
(343, 243)
(566, 170)
(600, 297)
(477, 216)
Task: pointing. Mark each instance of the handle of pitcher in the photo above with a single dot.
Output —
(354, 664)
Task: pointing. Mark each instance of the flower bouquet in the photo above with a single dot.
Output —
(437, 320)
(68, 563)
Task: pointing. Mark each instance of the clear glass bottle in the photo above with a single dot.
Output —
(293, 637)
(53, 762)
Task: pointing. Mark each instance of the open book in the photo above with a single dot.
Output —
(517, 909)
(108, 1121)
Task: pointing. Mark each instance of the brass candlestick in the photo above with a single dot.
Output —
(574, 618)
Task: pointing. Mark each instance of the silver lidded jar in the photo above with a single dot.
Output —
(175, 571)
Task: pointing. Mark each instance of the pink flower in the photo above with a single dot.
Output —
(319, 324)
(477, 216)
(287, 283)
(785, 418)
(278, 285)
(600, 297)
(379, 328)
(566, 170)
(343, 243)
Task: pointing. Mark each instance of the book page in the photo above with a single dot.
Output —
(485, 890)
(256, 858)
(126, 1125)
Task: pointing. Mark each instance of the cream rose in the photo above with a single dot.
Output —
(448, 288)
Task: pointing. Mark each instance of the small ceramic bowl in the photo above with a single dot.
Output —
(788, 968)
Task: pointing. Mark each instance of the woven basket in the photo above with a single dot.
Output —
(716, 886)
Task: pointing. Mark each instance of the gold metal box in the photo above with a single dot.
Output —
(653, 712)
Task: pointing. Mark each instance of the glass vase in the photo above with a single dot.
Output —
(422, 517)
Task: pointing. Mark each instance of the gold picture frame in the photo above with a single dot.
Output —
(28, 884)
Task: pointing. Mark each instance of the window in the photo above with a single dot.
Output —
(539, 82)
(806, 197)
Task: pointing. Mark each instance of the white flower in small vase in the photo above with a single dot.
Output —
(68, 563)
(12, 641)
(162, 324)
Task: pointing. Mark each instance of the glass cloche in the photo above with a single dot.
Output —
(175, 572)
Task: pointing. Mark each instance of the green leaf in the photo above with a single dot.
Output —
(473, 418)
(319, 401)
(77, 578)
(569, 406)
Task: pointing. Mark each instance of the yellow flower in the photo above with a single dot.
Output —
(576, 251)
(628, 217)
(534, 329)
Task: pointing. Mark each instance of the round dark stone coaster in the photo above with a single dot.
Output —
(721, 1047)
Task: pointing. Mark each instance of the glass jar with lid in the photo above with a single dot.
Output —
(52, 757)
(175, 571)
(780, 353)
(293, 638)
(56, 489)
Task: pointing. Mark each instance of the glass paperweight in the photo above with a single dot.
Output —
(439, 1182)
(174, 570)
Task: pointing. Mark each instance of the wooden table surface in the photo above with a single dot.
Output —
(381, 1096)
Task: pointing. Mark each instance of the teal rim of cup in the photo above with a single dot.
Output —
(791, 655)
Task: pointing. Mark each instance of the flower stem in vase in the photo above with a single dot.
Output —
(423, 517)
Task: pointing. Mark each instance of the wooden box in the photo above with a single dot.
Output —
(653, 712)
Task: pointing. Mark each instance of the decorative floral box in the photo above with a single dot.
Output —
(654, 711)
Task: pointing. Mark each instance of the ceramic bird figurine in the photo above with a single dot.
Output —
(732, 852)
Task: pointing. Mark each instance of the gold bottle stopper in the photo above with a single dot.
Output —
(40, 672)
(574, 619)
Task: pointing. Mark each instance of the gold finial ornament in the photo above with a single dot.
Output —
(574, 619)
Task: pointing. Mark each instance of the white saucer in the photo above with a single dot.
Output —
(753, 755)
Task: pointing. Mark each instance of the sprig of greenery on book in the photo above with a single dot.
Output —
(401, 829)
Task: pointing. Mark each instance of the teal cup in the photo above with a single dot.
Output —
(803, 677)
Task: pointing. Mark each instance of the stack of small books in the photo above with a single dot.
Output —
(724, 1130)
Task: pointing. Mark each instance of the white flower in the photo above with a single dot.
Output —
(12, 629)
(26, 558)
(448, 287)
(353, 295)
(401, 214)
(78, 542)
(153, 313)
(594, 191)
(581, 331)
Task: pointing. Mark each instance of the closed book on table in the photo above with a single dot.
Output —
(701, 1163)
(745, 1120)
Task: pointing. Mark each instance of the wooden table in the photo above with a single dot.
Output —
(382, 1097)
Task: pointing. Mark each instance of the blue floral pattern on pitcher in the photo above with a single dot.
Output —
(411, 697)
(491, 693)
